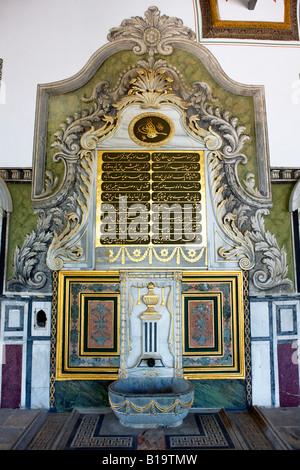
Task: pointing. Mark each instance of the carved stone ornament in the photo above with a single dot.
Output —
(272, 271)
(152, 34)
(62, 234)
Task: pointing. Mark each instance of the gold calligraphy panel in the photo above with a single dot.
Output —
(150, 198)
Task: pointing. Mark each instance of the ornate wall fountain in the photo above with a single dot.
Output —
(152, 175)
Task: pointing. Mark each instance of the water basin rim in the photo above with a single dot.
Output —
(191, 388)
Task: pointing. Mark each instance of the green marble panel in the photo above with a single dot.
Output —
(81, 393)
(229, 394)
(279, 221)
(23, 220)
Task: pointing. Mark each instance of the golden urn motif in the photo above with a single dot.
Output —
(150, 300)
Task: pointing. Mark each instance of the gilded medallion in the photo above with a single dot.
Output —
(151, 129)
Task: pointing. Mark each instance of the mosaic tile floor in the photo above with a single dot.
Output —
(99, 429)
(103, 431)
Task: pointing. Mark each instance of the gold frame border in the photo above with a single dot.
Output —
(97, 295)
(219, 296)
(77, 373)
(218, 23)
(154, 247)
(238, 369)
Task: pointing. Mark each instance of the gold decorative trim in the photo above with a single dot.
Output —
(151, 88)
(193, 255)
(131, 279)
(152, 405)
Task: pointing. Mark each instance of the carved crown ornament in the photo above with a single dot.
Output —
(61, 236)
(153, 34)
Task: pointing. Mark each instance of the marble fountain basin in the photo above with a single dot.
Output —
(151, 402)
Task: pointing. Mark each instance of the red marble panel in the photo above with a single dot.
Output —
(101, 323)
(288, 376)
(12, 376)
(201, 321)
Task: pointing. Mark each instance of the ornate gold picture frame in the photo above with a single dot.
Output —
(214, 27)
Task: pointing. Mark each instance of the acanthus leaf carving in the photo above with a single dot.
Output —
(274, 269)
(242, 248)
(65, 246)
(68, 138)
(250, 184)
(51, 183)
(27, 267)
(233, 138)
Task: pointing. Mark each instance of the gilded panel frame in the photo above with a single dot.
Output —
(237, 368)
(65, 370)
(168, 254)
(85, 348)
(216, 299)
